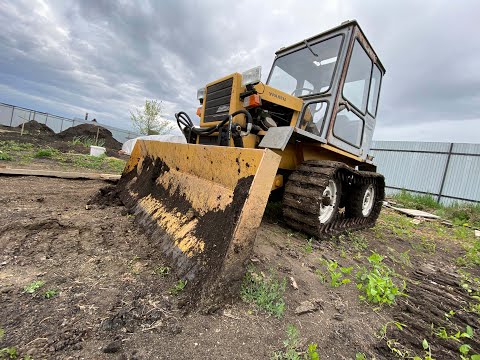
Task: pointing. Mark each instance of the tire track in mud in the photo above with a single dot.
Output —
(432, 294)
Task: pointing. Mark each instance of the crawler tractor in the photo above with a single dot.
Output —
(305, 132)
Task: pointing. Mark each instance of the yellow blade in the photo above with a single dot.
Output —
(201, 206)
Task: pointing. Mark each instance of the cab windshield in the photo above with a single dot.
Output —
(302, 73)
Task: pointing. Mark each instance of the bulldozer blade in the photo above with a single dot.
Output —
(201, 206)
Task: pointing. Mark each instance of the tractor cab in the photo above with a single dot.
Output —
(338, 76)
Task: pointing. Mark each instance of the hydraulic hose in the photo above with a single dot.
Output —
(184, 120)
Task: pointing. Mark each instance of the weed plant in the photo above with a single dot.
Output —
(376, 282)
(178, 287)
(33, 287)
(264, 291)
(291, 345)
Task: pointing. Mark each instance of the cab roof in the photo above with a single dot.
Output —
(345, 24)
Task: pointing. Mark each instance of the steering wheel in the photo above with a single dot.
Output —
(300, 90)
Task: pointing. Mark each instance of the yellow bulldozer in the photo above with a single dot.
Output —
(306, 132)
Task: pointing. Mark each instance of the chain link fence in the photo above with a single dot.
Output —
(14, 116)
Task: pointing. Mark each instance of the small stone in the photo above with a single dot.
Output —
(87, 207)
(477, 233)
(6, 289)
(76, 346)
(293, 283)
(113, 347)
(338, 317)
(292, 253)
(319, 303)
(306, 307)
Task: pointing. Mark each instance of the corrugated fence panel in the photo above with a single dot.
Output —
(473, 149)
(463, 177)
(410, 170)
(411, 146)
(420, 167)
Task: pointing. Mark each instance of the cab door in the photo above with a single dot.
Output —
(354, 122)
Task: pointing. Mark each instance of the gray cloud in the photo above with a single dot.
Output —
(106, 57)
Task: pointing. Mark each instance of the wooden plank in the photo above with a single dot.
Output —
(415, 213)
(59, 174)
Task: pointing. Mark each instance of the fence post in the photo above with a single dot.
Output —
(11, 117)
(445, 172)
(61, 126)
(46, 118)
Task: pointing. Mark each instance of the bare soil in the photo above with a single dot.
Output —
(37, 135)
(111, 304)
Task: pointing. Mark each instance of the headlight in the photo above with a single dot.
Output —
(200, 93)
(252, 76)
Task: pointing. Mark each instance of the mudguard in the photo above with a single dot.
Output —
(201, 206)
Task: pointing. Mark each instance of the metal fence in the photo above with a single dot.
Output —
(448, 171)
(14, 116)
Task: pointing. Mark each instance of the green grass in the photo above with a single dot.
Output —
(26, 153)
(264, 291)
(416, 201)
(5, 156)
(8, 353)
(11, 145)
(33, 286)
(9, 148)
(457, 213)
(87, 141)
(291, 345)
(308, 247)
(397, 224)
(472, 255)
(50, 293)
(47, 152)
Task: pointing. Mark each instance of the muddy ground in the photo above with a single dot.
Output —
(110, 302)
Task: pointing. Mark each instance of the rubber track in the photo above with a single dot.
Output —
(301, 201)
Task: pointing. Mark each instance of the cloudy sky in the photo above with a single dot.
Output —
(107, 57)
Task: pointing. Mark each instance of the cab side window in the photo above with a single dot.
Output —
(374, 91)
(357, 82)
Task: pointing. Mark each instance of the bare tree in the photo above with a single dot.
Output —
(148, 120)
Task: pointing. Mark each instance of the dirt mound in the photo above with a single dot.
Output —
(90, 130)
(106, 196)
(35, 128)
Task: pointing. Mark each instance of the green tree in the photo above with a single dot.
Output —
(148, 121)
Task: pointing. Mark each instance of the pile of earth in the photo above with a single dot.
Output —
(35, 128)
(90, 130)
